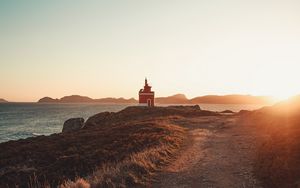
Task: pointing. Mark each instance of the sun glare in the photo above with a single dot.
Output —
(283, 95)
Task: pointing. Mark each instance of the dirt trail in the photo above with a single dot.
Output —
(218, 155)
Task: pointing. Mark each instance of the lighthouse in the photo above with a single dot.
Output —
(146, 96)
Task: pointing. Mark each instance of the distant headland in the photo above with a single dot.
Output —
(3, 101)
(84, 99)
(174, 99)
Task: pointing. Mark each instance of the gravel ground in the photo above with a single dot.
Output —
(219, 154)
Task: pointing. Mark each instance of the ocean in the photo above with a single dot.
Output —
(23, 120)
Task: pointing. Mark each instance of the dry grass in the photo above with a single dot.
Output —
(136, 169)
(79, 183)
(122, 154)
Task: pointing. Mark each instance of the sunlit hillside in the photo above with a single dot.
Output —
(277, 162)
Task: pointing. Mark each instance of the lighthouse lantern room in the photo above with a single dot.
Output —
(146, 96)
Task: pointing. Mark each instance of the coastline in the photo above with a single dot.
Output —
(153, 146)
(96, 127)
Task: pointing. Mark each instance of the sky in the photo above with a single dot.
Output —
(106, 48)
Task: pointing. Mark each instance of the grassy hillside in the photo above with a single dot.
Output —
(106, 153)
(101, 153)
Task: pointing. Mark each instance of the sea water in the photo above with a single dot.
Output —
(23, 120)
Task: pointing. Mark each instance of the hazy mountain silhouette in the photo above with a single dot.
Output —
(76, 98)
(289, 107)
(116, 100)
(3, 101)
(215, 99)
(174, 99)
(232, 99)
(84, 99)
(48, 100)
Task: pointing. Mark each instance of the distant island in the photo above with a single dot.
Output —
(3, 101)
(232, 99)
(84, 99)
(174, 99)
(215, 99)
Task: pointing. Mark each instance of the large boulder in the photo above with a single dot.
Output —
(73, 124)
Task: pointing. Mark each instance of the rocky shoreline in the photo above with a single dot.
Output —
(104, 139)
(131, 147)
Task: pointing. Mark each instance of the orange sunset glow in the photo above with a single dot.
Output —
(159, 93)
(100, 49)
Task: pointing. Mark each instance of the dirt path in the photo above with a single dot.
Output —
(219, 155)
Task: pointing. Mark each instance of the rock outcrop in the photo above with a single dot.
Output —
(140, 113)
(73, 124)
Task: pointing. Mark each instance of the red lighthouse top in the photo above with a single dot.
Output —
(147, 88)
(146, 96)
